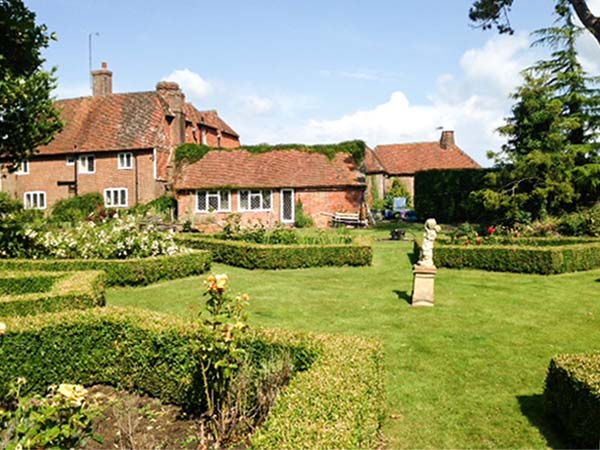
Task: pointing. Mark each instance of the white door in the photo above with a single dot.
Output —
(287, 206)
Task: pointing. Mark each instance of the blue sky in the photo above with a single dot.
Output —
(310, 71)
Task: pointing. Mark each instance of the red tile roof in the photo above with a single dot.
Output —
(273, 169)
(210, 118)
(113, 122)
(406, 159)
(372, 163)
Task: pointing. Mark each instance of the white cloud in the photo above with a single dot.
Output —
(255, 104)
(192, 84)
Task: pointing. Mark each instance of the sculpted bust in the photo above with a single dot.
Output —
(431, 231)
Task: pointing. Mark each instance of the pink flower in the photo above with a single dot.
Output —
(491, 229)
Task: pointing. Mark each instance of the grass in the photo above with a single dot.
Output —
(467, 373)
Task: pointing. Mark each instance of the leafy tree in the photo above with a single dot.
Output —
(27, 116)
(489, 13)
(398, 189)
(552, 147)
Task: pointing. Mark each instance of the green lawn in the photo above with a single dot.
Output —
(467, 373)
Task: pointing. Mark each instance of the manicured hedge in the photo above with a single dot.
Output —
(67, 290)
(572, 398)
(335, 402)
(546, 260)
(260, 256)
(123, 272)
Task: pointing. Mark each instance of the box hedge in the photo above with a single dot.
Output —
(572, 398)
(123, 272)
(334, 401)
(260, 256)
(28, 293)
(541, 259)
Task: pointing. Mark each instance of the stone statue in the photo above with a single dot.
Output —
(431, 231)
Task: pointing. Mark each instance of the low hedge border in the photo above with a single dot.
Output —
(123, 272)
(68, 290)
(545, 260)
(259, 256)
(336, 402)
(572, 398)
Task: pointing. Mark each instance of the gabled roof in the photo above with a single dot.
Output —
(272, 169)
(112, 122)
(407, 159)
(209, 118)
(372, 163)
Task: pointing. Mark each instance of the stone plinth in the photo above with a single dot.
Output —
(423, 285)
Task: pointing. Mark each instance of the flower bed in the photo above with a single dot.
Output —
(123, 272)
(259, 256)
(27, 293)
(541, 256)
(334, 401)
(572, 398)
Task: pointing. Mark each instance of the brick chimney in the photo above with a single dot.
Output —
(175, 99)
(447, 139)
(102, 81)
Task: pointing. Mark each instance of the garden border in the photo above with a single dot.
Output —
(337, 402)
(123, 272)
(71, 290)
(262, 256)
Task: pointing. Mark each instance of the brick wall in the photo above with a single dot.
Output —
(315, 202)
(46, 171)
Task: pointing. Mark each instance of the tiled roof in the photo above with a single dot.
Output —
(112, 122)
(210, 118)
(406, 159)
(273, 169)
(372, 163)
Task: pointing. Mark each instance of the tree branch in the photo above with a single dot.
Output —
(590, 21)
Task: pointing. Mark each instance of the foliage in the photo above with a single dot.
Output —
(551, 161)
(378, 204)
(302, 220)
(29, 118)
(163, 206)
(9, 205)
(582, 223)
(444, 194)
(123, 272)
(546, 260)
(61, 419)
(157, 355)
(398, 189)
(261, 256)
(28, 293)
(76, 209)
(572, 397)
(14, 225)
(191, 153)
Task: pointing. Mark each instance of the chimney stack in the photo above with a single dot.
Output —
(175, 99)
(102, 81)
(447, 139)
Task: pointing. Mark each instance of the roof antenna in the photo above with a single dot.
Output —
(90, 57)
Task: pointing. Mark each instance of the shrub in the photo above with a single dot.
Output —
(15, 230)
(259, 256)
(23, 294)
(572, 397)
(398, 189)
(76, 209)
(123, 272)
(303, 220)
(8, 204)
(542, 259)
(583, 223)
(335, 401)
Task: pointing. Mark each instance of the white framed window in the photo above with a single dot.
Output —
(70, 160)
(87, 164)
(125, 160)
(34, 200)
(23, 168)
(204, 137)
(207, 201)
(115, 197)
(255, 200)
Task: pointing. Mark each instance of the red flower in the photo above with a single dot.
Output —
(491, 230)
(467, 242)
(478, 240)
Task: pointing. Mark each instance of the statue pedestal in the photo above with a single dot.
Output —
(423, 285)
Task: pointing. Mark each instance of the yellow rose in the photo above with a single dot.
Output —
(75, 393)
(216, 283)
(2, 328)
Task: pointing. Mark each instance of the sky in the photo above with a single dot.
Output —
(280, 71)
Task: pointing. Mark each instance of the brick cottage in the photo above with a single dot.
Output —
(266, 187)
(401, 161)
(120, 145)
